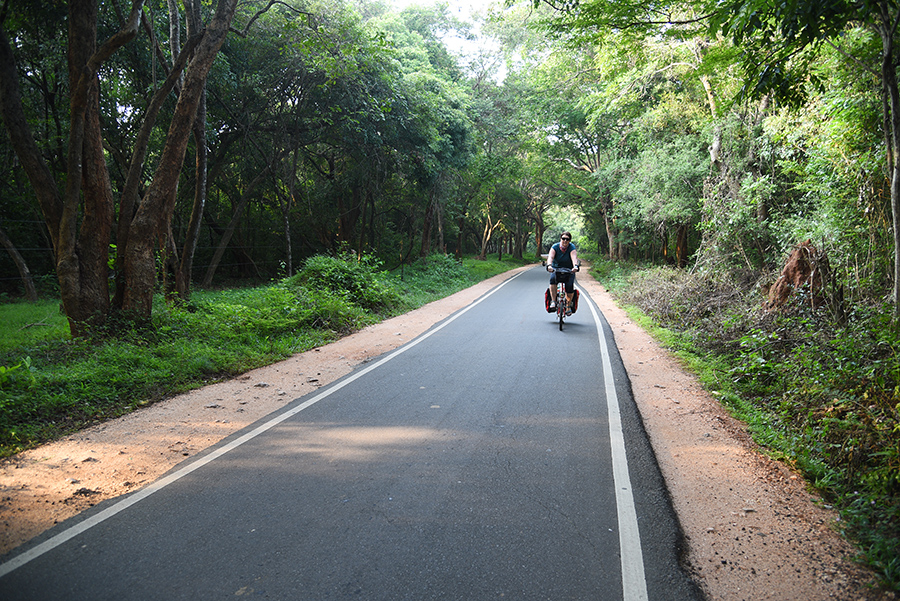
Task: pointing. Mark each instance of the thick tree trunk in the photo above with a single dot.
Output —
(81, 257)
(611, 236)
(486, 234)
(130, 192)
(156, 209)
(80, 221)
(539, 229)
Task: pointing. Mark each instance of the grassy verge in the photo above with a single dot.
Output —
(51, 385)
(820, 393)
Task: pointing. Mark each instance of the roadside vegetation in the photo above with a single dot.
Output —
(52, 384)
(714, 137)
(818, 391)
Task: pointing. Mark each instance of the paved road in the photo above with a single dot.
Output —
(492, 457)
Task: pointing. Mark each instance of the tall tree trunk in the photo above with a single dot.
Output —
(889, 79)
(130, 192)
(229, 230)
(426, 225)
(539, 229)
(24, 273)
(186, 266)
(439, 213)
(681, 245)
(174, 30)
(611, 236)
(155, 211)
(82, 251)
(715, 148)
(487, 232)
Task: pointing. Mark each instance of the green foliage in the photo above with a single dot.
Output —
(17, 376)
(820, 394)
(774, 36)
(25, 324)
(615, 275)
(356, 280)
(669, 182)
(439, 275)
(51, 384)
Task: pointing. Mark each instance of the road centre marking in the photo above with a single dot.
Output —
(120, 506)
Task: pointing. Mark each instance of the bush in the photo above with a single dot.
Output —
(821, 393)
(51, 384)
(358, 281)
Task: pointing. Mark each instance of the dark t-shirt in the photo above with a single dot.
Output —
(563, 258)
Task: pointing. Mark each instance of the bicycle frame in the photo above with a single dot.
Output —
(562, 301)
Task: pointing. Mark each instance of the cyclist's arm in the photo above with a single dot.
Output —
(551, 257)
(574, 259)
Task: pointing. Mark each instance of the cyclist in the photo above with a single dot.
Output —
(562, 254)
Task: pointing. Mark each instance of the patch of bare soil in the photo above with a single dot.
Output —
(752, 530)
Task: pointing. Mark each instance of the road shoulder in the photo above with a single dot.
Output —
(753, 530)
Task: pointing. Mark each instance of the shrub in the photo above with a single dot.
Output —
(823, 394)
(358, 281)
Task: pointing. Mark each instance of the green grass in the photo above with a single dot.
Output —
(24, 324)
(818, 393)
(51, 385)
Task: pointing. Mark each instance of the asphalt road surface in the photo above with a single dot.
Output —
(492, 457)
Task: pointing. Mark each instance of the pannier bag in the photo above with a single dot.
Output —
(574, 300)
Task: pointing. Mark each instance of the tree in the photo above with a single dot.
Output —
(21, 265)
(80, 218)
(780, 39)
(153, 217)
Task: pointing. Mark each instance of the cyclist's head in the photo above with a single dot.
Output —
(565, 238)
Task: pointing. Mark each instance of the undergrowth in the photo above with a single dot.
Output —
(51, 385)
(818, 392)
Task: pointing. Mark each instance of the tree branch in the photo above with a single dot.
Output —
(263, 11)
(126, 33)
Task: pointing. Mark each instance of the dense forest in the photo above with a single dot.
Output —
(157, 146)
(165, 147)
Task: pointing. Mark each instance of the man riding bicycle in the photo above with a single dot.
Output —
(562, 254)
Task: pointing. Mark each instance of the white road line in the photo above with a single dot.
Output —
(634, 582)
(70, 533)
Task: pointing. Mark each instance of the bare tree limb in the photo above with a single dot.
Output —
(263, 11)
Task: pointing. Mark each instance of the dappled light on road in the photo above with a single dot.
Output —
(339, 443)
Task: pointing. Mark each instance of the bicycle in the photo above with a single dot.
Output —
(562, 303)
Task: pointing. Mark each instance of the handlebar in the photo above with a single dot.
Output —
(551, 269)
